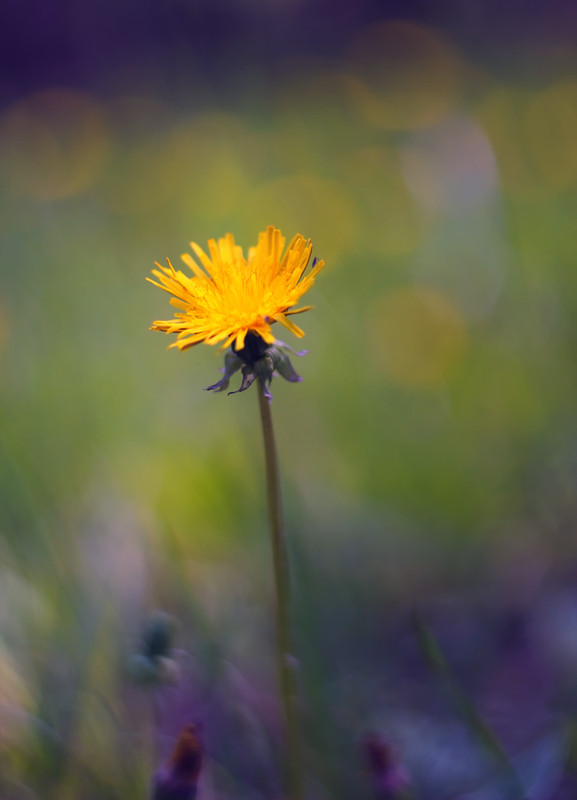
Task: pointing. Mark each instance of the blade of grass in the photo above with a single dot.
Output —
(435, 658)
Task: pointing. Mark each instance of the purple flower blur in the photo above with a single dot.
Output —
(178, 778)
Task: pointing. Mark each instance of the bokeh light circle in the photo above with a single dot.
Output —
(389, 219)
(53, 144)
(417, 336)
(550, 123)
(317, 208)
(409, 76)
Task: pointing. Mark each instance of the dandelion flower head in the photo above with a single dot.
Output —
(228, 296)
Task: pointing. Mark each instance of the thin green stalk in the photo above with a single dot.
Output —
(285, 658)
(483, 733)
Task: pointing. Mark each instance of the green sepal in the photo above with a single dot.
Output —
(275, 361)
(232, 363)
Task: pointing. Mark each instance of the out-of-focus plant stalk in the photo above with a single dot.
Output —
(285, 659)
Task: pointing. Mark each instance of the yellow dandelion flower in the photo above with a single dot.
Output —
(227, 296)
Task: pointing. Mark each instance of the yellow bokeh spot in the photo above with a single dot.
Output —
(503, 115)
(418, 336)
(551, 132)
(211, 158)
(306, 203)
(389, 222)
(52, 144)
(408, 76)
(198, 167)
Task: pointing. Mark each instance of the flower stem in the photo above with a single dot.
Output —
(285, 660)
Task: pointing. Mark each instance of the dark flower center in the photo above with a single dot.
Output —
(254, 348)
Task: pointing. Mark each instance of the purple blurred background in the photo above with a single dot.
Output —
(162, 43)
